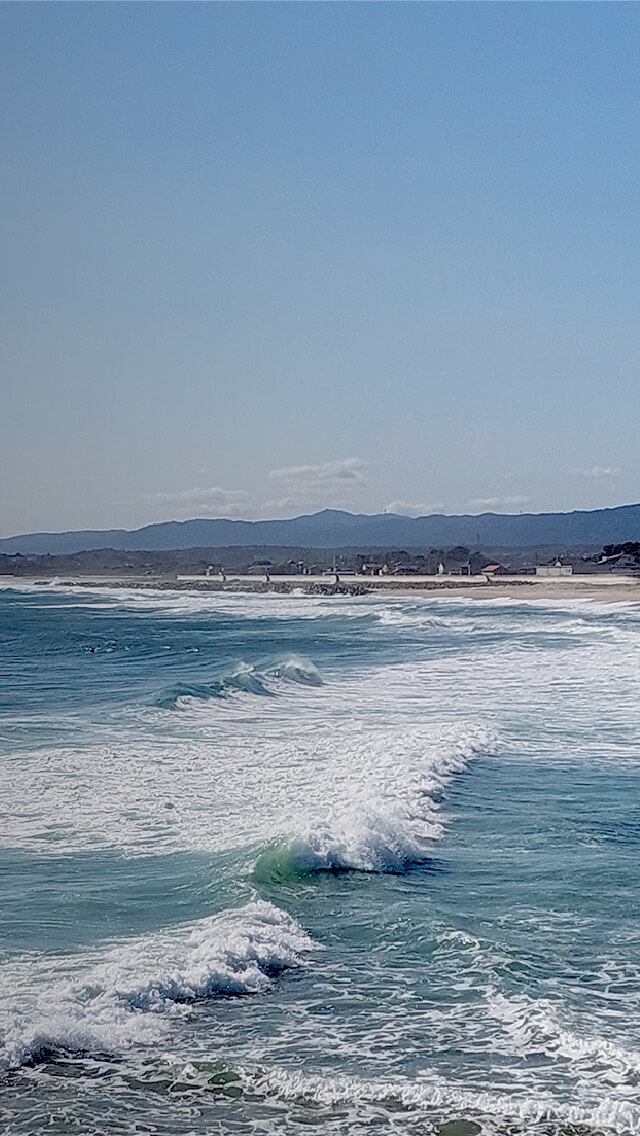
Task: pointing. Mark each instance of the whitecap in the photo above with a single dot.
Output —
(393, 813)
(116, 998)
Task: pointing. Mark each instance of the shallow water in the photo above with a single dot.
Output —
(271, 863)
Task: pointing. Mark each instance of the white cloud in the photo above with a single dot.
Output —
(497, 502)
(212, 501)
(284, 507)
(308, 488)
(298, 489)
(323, 475)
(600, 471)
(405, 509)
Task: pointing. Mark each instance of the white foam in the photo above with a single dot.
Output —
(113, 1000)
(393, 813)
(181, 601)
(540, 1026)
(430, 1091)
(238, 770)
(298, 668)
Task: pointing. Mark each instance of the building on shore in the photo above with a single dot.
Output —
(555, 569)
(497, 570)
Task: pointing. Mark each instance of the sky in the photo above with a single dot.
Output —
(260, 259)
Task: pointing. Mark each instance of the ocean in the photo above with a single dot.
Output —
(277, 863)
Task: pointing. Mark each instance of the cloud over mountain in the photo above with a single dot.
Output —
(497, 502)
(211, 501)
(406, 509)
(332, 483)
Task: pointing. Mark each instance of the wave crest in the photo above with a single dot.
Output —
(387, 828)
(119, 1000)
(245, 678)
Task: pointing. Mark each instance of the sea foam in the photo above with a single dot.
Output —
(118, 998)
(393, 816)
(432, 1093)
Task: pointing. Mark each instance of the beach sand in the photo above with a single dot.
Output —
(617, 589)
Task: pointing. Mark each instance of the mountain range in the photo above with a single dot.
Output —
(332, 528)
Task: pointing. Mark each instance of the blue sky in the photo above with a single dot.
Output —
(261, 259)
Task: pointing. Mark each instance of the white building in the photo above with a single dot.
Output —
(556, 569)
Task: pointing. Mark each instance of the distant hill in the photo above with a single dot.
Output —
(336, 529)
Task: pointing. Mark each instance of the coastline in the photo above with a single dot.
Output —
(609, 589)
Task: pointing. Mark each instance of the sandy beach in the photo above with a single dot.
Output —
(616, 589)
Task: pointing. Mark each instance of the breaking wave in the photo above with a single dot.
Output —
(384, 828)
(244, 678)
(117, 1001)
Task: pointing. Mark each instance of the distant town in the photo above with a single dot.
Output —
(268, 562)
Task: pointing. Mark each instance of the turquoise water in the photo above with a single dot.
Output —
(277, 862)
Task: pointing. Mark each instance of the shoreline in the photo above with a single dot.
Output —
(608, 589)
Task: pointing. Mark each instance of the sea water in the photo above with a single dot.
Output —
(271, 863)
